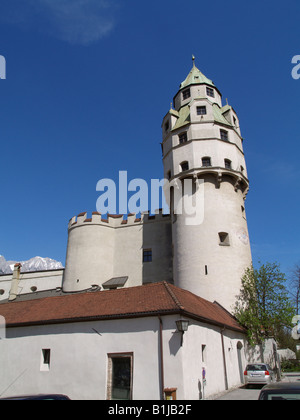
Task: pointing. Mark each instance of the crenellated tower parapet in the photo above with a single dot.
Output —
(100, 249)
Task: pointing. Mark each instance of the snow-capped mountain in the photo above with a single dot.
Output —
(34, 264)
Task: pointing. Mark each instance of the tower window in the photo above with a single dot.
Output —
(184, 166)
(147, 255)
(186, 94)
(224, 239)
(201, 110)
(210, 92)
(224, 135)
(183, 138)
(167, 126)
(206, 161)
(169, 175)
(227, 164)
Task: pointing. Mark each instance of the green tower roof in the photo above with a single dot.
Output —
(195, 77)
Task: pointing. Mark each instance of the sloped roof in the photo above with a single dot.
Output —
(196, 77)
(148, 300)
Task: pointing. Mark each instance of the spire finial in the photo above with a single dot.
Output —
(193, 58)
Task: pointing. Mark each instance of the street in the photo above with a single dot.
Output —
(252, 394)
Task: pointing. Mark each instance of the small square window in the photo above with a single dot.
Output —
(224, 135)
(183, 138)
(147, 255)
(186, 94)
(206, 161)
(201, 110)
(224, 238)
(210, 92)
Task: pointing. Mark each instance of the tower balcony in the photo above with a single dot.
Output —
(219, 174)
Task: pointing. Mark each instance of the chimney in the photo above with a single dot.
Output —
(15, 282)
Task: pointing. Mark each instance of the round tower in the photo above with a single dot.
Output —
(89, 260)
(202, 142)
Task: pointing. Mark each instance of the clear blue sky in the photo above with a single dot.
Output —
(89, 81)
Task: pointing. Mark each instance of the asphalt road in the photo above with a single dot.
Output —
(243, 394)
(252, 394)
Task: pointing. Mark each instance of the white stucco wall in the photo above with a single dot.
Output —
(99, 251)
(41, 280)
(79, 358)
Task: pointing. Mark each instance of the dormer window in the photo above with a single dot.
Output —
(186, 94)
(183, 138)
(210, 92)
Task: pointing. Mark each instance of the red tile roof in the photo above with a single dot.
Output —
(148, 300)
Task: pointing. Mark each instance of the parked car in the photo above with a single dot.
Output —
(41, 397)
(259, 373)
(281, 392)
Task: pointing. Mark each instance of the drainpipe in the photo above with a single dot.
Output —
(161, 347)
(15, 282)
(224, 358)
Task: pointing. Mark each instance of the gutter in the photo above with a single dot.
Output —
(224, 358)
(161, 350)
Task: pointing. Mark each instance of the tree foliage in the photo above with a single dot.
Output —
(263, 305)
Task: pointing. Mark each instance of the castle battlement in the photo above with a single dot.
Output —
(116, 220)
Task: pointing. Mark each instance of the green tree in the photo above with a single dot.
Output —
(263, 305)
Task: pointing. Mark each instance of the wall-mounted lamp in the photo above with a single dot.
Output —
(182, 327)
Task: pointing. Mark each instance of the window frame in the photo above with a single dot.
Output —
(186, 94)
(206, 162)
(111, 356)
(183, 137)
(201, 108)
(224, 134)
(147, 255)
(210, 92)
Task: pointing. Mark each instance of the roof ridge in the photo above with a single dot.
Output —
(173, 295)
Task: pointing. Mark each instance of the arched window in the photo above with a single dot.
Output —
(184, 166)
(227, 163)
